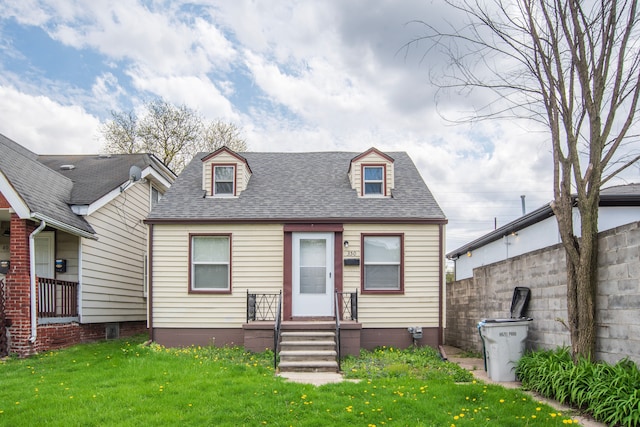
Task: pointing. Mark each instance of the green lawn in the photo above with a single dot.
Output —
(124, 383)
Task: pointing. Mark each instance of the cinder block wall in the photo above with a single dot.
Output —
(488, 295)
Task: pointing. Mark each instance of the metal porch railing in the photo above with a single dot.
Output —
(263, 307)
(347, 305)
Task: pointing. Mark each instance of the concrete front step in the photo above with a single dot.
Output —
(308, 336)
(308, 351)
(308, 356)
(307, 345)
(307, 366)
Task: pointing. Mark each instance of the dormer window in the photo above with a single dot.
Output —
(373, 180)
(371, 174)
(224, 178)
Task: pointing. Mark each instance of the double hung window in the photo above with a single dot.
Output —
(210, 263)
(224, 180)
(373, 180)
(383, 263)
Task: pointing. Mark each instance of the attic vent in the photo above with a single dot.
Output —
(112, 331)
(67, 167)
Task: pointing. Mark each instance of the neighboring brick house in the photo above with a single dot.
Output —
(73, 245)
(356, 237)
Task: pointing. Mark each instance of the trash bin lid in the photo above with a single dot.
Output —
(519, 302)
(485, 321)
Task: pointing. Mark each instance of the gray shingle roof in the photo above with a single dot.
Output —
(43, 190)
(300, 186)
(94, 175)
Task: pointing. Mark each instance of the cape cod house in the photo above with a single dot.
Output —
(252, 248)
(73, 245)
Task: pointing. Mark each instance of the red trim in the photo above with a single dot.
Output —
(291, 221)
(287, 285)
(375, 151)
(362, 265)
(213, 177)
(384, 178)
(211, 291)
(229, 151)
(307, 228)
(287, 274)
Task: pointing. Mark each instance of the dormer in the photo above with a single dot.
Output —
(225, 173)
(371, 174)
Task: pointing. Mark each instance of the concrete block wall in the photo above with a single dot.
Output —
(488, 295)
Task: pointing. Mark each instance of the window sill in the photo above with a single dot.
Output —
(382, 292)
(210, 291)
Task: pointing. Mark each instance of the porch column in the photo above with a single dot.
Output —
(17, 298)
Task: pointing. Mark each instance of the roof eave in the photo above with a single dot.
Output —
(297, 220)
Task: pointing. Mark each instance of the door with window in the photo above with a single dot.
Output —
(44, 244)
(313, 275)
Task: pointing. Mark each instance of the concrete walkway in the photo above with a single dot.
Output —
(454, 355)
(476, 366)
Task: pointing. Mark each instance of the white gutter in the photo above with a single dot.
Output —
(32, 273)
(64, 227)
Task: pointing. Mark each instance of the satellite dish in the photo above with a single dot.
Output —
(135, 173)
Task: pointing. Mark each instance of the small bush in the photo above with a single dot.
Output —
(610, 393)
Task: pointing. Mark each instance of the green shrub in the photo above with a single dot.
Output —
(611, 393)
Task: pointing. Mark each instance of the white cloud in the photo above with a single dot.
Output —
(46, 127)
(195, 91)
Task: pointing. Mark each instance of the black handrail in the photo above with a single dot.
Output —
(338, 340)
(276, 332)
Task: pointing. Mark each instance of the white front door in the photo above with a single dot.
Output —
(312, 274)
(44, 253)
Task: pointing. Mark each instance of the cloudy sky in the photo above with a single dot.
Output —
(294, 75)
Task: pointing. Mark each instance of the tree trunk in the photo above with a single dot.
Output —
(582, 280)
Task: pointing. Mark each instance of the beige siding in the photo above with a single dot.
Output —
(242, 172)
(67, 247)
(371, 158)
(257, 264)
(257, 260)
(112, 266)
(419, 304)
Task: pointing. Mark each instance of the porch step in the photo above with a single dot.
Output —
(307, 366)
(307, 345)
(308, 351)
(308, 355)
(308, 336)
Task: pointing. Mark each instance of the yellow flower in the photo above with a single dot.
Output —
(538, 409)
(501, 400)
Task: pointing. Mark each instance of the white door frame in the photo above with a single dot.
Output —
(310, 303)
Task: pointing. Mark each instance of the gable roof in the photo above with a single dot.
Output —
(310, 187)
(94, 175)
(621, 195)
(44, 192)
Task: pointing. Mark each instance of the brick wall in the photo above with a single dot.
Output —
(18, 305)
(488, 295)
(17, 295)
(56, 336)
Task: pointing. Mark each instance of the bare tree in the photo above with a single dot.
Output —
(222, 134)
(173, 133)
(575, 67)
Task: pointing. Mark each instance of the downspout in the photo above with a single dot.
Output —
(32, 274)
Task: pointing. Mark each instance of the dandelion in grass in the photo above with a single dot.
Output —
(501, 400)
